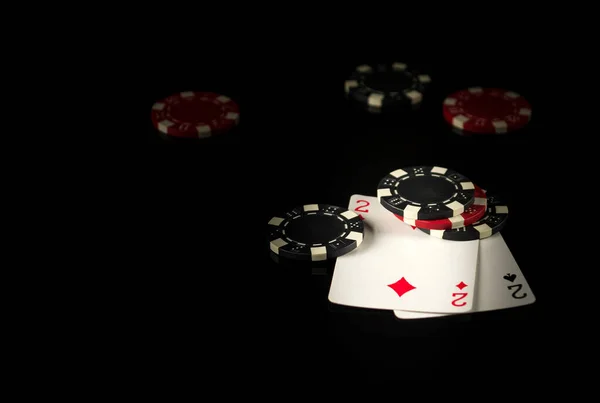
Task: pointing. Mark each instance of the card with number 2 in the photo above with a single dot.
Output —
(500, 282)
(400, 268)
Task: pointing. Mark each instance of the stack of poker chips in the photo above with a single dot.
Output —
(441, 202)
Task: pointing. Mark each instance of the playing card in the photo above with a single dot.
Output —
(400, 268)
(500, 284)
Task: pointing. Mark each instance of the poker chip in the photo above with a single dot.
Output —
(492, 222)
(426, 192)
(315, 232)
(378, 87)
(195, 114)
(486, 110)
(472, 214)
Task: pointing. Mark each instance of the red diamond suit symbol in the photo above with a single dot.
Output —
(401, 287)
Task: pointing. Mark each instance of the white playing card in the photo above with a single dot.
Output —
(400, 268)
(500, 283)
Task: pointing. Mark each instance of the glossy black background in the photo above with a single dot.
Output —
(214, 286)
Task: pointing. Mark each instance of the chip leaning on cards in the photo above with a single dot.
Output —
(315, 232)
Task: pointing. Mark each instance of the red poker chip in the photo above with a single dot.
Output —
(472, 214)
(486, 110)
(194, 114)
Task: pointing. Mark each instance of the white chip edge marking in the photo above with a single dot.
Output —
(409, 221)
(512, 94)
(475, 90)
(424, 78)
(224, 99)
(349, 84)
(457, 221)
(438, 233)
(415, 97)
(485, 230)
(310, 207)
(456, 207)
(349, 214)
(164, 125)
(364, 68)
(383, 193)
(450, 101)
(276, 244)
(411, 212)
(459, 121)
(399, 66)
(276, 221)
(375, 100)
(355, 236)
(159, 106)
(500, 126)
(232, 116)
(187, 94)
(525, 112)
(203, 131)
(439, 170)
(398, 173)
(318, 253)
(467, 185)
(501, 209)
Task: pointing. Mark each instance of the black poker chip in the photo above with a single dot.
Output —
(492, 222)
(386, 86)
(426, 192)
(315, 232)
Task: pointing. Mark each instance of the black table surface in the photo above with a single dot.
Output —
(212, 284)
